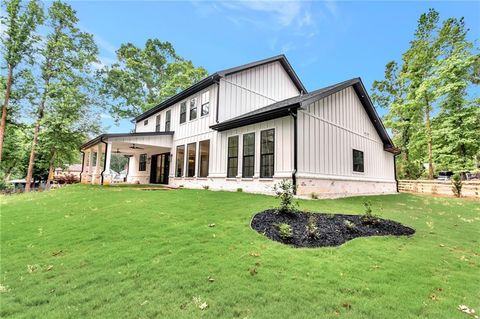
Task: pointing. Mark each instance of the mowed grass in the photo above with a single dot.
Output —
(116, 252)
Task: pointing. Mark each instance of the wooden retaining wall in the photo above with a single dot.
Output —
(469, 189)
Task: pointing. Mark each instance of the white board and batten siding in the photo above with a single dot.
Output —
(251, 89)
(329, 129)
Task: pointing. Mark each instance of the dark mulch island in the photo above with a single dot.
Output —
(332, 229)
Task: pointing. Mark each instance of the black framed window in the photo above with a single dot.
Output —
(145, 123)
(205, 103)
(193, 109)
(180, 160)
(248, 155)
(267, 151)
(358, 164)
(232, 157)
(183, 112)
(203, 154)
(167, 121)
(142, 163)
(157, 123)
(191, 152)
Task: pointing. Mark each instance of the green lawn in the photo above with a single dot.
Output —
(116, 252)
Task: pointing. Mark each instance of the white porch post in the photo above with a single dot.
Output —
(107, 177)
(90, 160)
(97, 165)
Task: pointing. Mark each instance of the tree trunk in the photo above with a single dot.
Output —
(3, 122)
(51, 167)
(428, 130)
(36, 130)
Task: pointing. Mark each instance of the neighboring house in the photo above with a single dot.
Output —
(74, 169)
(251, 126)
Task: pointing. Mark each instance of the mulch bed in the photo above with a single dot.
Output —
(332, 229)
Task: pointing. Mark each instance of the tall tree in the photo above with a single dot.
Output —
(143, 77)
(17, 42)
(66, 58)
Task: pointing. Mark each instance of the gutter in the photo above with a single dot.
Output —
(83, 164)
(104, 160)
(295, 153)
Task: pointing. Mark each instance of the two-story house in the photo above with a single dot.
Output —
(251, 126)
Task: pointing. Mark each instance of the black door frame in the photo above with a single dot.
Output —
(153, 168)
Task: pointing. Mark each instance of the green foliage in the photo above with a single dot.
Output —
(312, 228)
(285, 230)
(314, 195)
(368, 217)
(427, 99)
(239, 190)
(457, 185)
(350, 226)
(144, 77)
(284, 190)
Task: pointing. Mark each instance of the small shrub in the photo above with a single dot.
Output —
(330, 216)
(368, 217)
(457, 185)
(285, 190)
(239, 190)
(350, 226)
(312, 228)
(314, 195)
(285, 230)
(206, 187)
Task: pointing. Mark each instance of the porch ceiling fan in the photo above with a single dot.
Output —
(117, 151)
(136, 147)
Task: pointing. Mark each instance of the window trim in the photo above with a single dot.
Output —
(176, 161)
(244, 156)
(194, 158)
(184, 103)
(158, 122)
(231, 157)
(140, 162)
(168, 115)
(145, 122)
(267, 154)
(193, 108)
(205, 103)
(362, 171)
(200, 158)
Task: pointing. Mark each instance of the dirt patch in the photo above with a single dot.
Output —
(154, 189)
(331, 229)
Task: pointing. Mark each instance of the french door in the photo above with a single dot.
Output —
(160, 168)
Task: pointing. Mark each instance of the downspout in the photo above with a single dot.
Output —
(218, 102)
(395, 170)
(295, 157)
(104, 160)
(128, 169)
(83, 164)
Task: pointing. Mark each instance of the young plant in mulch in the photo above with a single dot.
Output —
(312, 228)
(285, 231)
(285, 191)
(368, 217)
(457, 185)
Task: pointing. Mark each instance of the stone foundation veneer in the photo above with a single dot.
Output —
(342, 188)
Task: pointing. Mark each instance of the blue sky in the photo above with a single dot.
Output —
(326, 42)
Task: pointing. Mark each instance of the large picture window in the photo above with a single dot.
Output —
(248, 155)
(157, 123)
(191, 152)
(358, 161)
(183, 112)
(167, 120)
(180, 160)
(203, 154)
(142, 163)
(205, 103)
(193, 109)
(267, 150)
(232, 161)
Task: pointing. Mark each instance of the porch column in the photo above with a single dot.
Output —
(90, 160)
(107, 177)
(96, 173)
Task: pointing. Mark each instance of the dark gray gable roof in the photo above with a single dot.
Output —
(215, 77)
(286, 107)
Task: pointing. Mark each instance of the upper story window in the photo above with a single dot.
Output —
(183, 112)
(193, 109)
(358, 164)
(248, 155)
(232, 156)
(157, 123)
(205, 103)
(142, 163)
(267, 147)
(167, 121)
(145, 122)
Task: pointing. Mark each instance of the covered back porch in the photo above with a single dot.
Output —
(148, 154)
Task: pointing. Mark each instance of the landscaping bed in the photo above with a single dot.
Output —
(302, 229)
